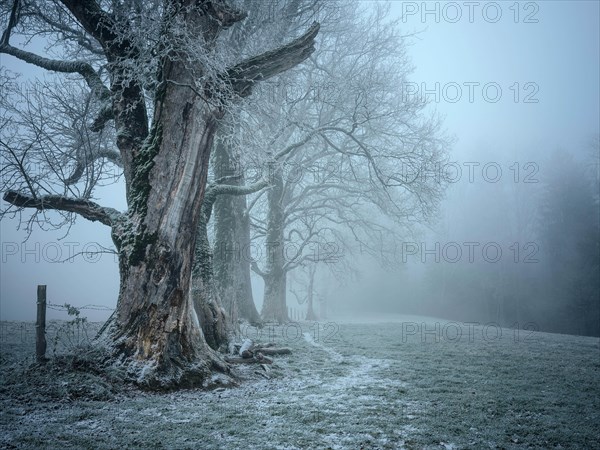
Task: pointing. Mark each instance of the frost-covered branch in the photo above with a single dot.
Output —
(83, 162)
(213, 191)
(85, 208)
(98, 24)
(262, 67)
(87, 72)
(13, 18)
(82, 68)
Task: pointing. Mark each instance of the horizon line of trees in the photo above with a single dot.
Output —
(549, 233)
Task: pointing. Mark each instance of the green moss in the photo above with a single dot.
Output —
(133, 241)
(138, 250)
(132, 236)
(143, 163)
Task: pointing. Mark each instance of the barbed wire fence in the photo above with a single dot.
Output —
(62, 335)
(24, 332)
(64, 307)
(65, 334)
(74, 332)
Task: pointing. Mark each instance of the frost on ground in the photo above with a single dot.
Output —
(411, 383)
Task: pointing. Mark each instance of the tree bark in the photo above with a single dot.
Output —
(212, 317)
(156, 321)
(310, 313)
(156, 324)
(232, 240)
(274, 303)
(275, 277)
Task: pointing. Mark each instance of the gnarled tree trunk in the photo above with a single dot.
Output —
(156, 324)
(155, 321)
(155, 329)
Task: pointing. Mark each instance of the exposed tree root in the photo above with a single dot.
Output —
(202, 367)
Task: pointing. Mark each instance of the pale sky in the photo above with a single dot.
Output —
(554, 60)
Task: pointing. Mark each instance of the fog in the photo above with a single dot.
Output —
(491, 257)
(516, 238)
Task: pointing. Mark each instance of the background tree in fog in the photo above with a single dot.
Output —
(545, 222)
(348, 150)
(231, 158)
(570, 237)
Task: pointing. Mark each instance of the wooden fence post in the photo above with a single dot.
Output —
(40, 325)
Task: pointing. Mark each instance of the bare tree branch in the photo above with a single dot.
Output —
(95, 21)
(212, 192)
(85, 208)
(262, 67)
(83, 163)
(12, 21)
(82, 68)
(128, 107)
(257, 270)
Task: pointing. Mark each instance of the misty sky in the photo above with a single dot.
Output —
(554, 61)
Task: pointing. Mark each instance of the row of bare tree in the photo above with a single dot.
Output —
(193, 104)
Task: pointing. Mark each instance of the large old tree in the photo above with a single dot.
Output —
(157, 86)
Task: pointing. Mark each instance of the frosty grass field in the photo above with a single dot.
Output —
(346, 385)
